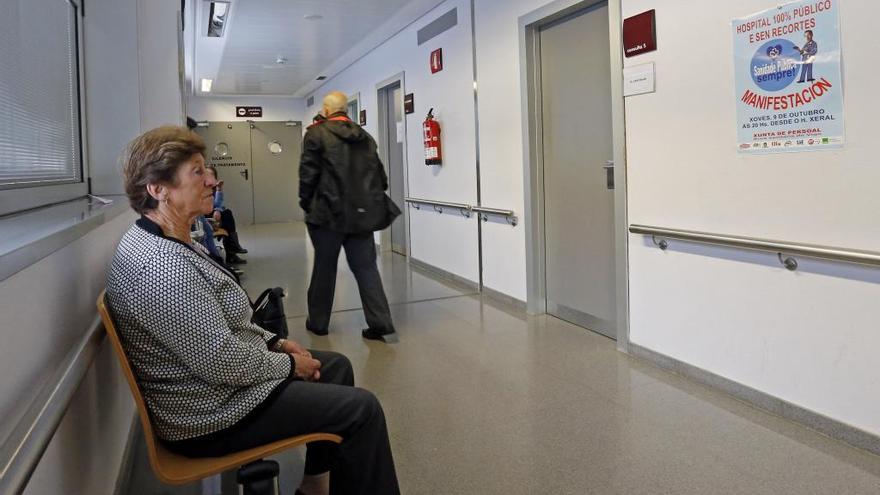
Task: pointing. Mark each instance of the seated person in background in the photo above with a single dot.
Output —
(204, 234)
(214, 382)
(226, 219)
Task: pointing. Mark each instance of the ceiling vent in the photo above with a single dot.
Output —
(310, 101)
(437, 26)
(218, 17)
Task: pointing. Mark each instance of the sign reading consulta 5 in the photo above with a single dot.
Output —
(789, 93)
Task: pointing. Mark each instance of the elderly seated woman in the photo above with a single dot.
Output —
(215, 382)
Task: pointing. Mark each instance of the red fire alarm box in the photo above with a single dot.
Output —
(639, 34)
(436, 61)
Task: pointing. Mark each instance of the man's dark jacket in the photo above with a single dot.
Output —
(342, 182)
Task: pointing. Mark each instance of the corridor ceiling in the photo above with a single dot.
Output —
(280, 47)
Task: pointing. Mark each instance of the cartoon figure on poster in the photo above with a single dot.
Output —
(808, 54)
(789, 93)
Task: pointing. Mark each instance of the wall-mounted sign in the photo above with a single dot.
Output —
(789, 93)
(639, 34)
(436, 61)
(638, 79)
(409, 103)
(248, 111)
(362, 118)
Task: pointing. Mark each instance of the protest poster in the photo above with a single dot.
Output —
(789, 91)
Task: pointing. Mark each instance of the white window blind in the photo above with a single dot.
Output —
(39, 94)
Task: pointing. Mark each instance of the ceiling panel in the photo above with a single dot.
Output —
(261, 31)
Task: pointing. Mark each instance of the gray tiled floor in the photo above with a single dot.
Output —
(482, 399)
(281, 255)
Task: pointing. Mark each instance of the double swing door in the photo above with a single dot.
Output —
(258, 163)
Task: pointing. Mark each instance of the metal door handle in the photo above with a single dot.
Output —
(609, 174)
(244, 173)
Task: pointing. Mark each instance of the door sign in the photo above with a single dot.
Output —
(248, 111)
(436, 61)
(639, 34)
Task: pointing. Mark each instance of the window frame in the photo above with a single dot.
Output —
(17, 198)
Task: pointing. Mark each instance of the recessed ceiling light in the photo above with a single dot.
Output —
(281, 60)
(313, 17)
(206, 85)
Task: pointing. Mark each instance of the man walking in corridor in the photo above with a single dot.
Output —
(341, 189)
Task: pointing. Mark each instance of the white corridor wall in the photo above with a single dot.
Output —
(447, 241)
(496, 43)
(131, 79)
(808, 337)
(47, 306)
(805, 337)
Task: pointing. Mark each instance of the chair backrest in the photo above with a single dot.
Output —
(149, 434)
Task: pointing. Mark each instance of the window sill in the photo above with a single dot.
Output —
(30, 236)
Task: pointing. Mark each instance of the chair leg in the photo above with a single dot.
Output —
(258, 478)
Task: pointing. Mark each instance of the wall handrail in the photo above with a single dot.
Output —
(756, 244)
(442, 204)
(484, 213)
(465, 209)
(493, 211)
(22, 450)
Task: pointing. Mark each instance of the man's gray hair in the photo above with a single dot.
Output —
(335, 101)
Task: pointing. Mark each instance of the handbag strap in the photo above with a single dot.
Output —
(263, 298)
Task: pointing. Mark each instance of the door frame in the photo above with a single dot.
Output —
(354, 98)
(381, 123)
(533, 164)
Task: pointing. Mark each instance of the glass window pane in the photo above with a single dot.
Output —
(39, 86)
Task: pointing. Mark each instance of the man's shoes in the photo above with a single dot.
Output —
(233, 258)
(234, 246)
(317, 331)
(381, 333)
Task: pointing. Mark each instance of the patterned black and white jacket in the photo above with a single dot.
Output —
(186, 327)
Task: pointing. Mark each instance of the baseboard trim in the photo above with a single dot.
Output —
(123, 478)
(823, 424)
(443, 274)
(504, 298)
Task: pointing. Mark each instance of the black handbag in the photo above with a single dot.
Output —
(269, 312)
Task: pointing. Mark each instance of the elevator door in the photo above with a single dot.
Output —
(578, 200)
(276, 149)
(229, 149)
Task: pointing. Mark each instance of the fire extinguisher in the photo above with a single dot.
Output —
(431, 133)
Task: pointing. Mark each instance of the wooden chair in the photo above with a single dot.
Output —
(175, 469)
